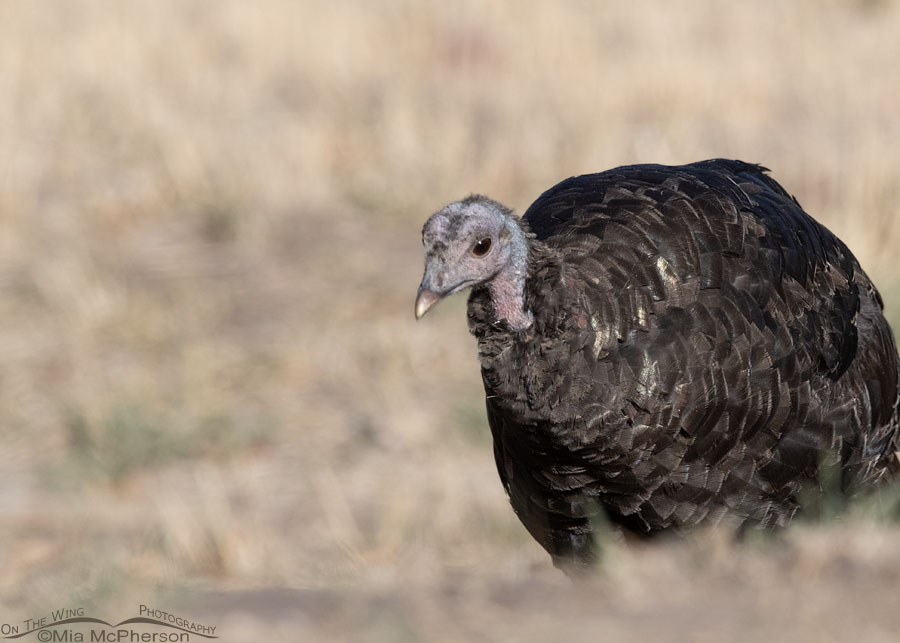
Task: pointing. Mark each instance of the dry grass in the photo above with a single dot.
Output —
(210, 377)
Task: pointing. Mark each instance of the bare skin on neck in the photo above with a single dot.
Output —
(508, 297)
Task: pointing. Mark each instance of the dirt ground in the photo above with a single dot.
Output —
(213, 395)
(834, 586)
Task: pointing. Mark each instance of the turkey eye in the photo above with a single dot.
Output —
(481, 247)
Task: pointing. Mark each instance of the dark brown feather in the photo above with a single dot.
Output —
(699, 345)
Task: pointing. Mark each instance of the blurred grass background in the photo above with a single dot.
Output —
(211, 383)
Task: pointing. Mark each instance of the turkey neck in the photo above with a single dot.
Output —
(507, 287)
(507, 293)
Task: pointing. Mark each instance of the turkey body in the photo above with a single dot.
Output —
(700, 346)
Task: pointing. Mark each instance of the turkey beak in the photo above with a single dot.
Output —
(425, 299)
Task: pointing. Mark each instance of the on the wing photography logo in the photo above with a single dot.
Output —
(73, 625)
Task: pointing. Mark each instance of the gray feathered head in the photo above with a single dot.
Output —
(467, 243)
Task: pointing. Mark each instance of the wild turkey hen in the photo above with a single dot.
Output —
(674, 343)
